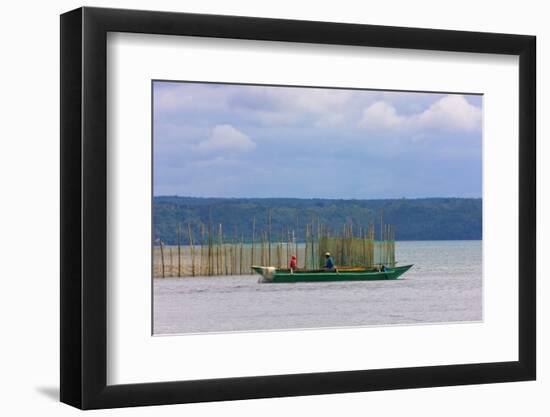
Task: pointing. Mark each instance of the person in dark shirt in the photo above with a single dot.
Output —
(329, 262)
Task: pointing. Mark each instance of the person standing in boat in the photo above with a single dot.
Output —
(329, 262)
(292, 263)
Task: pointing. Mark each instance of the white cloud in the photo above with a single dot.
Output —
(290, 106)
(450, 113)
(226, 138)
(381, 115)
(317, 101)
(265, 104)
(184, 97)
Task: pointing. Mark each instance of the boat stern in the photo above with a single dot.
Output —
(267, 272)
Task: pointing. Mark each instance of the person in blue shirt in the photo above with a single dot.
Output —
(329, 261)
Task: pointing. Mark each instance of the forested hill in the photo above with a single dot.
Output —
(415, 219)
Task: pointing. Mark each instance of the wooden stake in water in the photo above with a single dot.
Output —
(171, 263)
(190, 238)
(253, 236)
(219, 258)
(279, 251)
(162, 257)
(295, 237)
(314, 261)
(179, 249)
(262, 249)
(288, 246)
(306, 265)
(210, 248)
(269, 236)
(202, 268)
(225, 260)
(241, 256)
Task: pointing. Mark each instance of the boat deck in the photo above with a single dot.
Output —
(273, 275)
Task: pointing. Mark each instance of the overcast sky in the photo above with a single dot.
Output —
(221, 140)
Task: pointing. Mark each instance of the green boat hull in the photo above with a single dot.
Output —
(272, 275)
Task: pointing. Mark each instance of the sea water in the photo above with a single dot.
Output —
(444, 285)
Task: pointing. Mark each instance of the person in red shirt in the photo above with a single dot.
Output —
(292, 263)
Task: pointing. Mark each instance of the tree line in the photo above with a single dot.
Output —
(414, 219)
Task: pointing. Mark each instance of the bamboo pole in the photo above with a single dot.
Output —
(295, 240)
(386, 244)
(241, 256)
(372, 245)
(390, 244)
(229, 271)
(295, 235)
(192, 249)
(219, 259)
(210, 249)
(269, 236)
(392, 240)
(320, 240)
(262, 249)
(311, 236)
(203, 272)
(364, 246)
(343, 246)
(162, 257)
(313, 260)
(393, 246)
(262, 261)
(288, 246)
(235, 255)
(351, 245)
(306, 266)
(171, 263)
(253, 236)
(236, 258)
(179, 249)
(226, 258)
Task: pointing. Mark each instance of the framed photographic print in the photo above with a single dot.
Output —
(258, 207)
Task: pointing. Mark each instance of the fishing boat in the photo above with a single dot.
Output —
(271, 274)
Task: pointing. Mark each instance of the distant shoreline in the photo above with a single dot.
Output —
(414, 219)
(313, 198)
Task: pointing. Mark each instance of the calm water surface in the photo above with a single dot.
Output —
(445, 285)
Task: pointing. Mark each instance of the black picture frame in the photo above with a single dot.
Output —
(84, 207)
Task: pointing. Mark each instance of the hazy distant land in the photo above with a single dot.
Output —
(414, 219)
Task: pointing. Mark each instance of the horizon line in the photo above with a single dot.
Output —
(317, 198)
